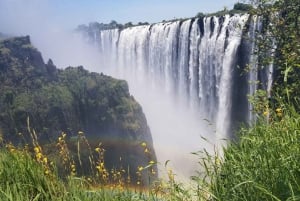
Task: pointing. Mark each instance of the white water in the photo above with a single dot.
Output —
(182, 77)
(225, 106)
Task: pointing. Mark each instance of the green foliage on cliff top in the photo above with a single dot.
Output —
(61, 100)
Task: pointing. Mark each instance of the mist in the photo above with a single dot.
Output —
(175, 129)
(49, 34)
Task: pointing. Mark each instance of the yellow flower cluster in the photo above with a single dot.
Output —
(102, 172)
(148, 154)
(279, 112)
(42, 159)
(149, 167)
(68, 162)
(117, 177)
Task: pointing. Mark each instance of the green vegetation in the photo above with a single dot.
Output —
(23, 179)
(242, 7)
(69, 101)
(262, 165)
(280, 38)
(29, 173)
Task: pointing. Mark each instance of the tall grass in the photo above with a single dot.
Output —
(264, 164)
(28, 173)
(21, 178)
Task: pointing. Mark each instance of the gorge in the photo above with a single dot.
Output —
(192, 78)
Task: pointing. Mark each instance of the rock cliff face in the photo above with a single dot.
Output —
(69, 101)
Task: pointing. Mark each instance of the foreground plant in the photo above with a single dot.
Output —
(262, 165)
(22, 178)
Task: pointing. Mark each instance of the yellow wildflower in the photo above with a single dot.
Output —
(140, 168)
(45, 160)
(279, 112)
(143, 144)
(73, 170)
(39, 155)
(36, 149)
(151, 162)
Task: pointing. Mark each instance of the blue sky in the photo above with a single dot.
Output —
(70, 13)
(135, 10)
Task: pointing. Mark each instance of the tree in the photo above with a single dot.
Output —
(281, 36)
(113, 24)
(242, 7)
(143, 23)
(200, 15)
(128, 24)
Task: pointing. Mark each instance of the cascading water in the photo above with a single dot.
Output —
(257, 77)
(184, 75)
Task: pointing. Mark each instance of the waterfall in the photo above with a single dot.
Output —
(255, 26)
(185, 75)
